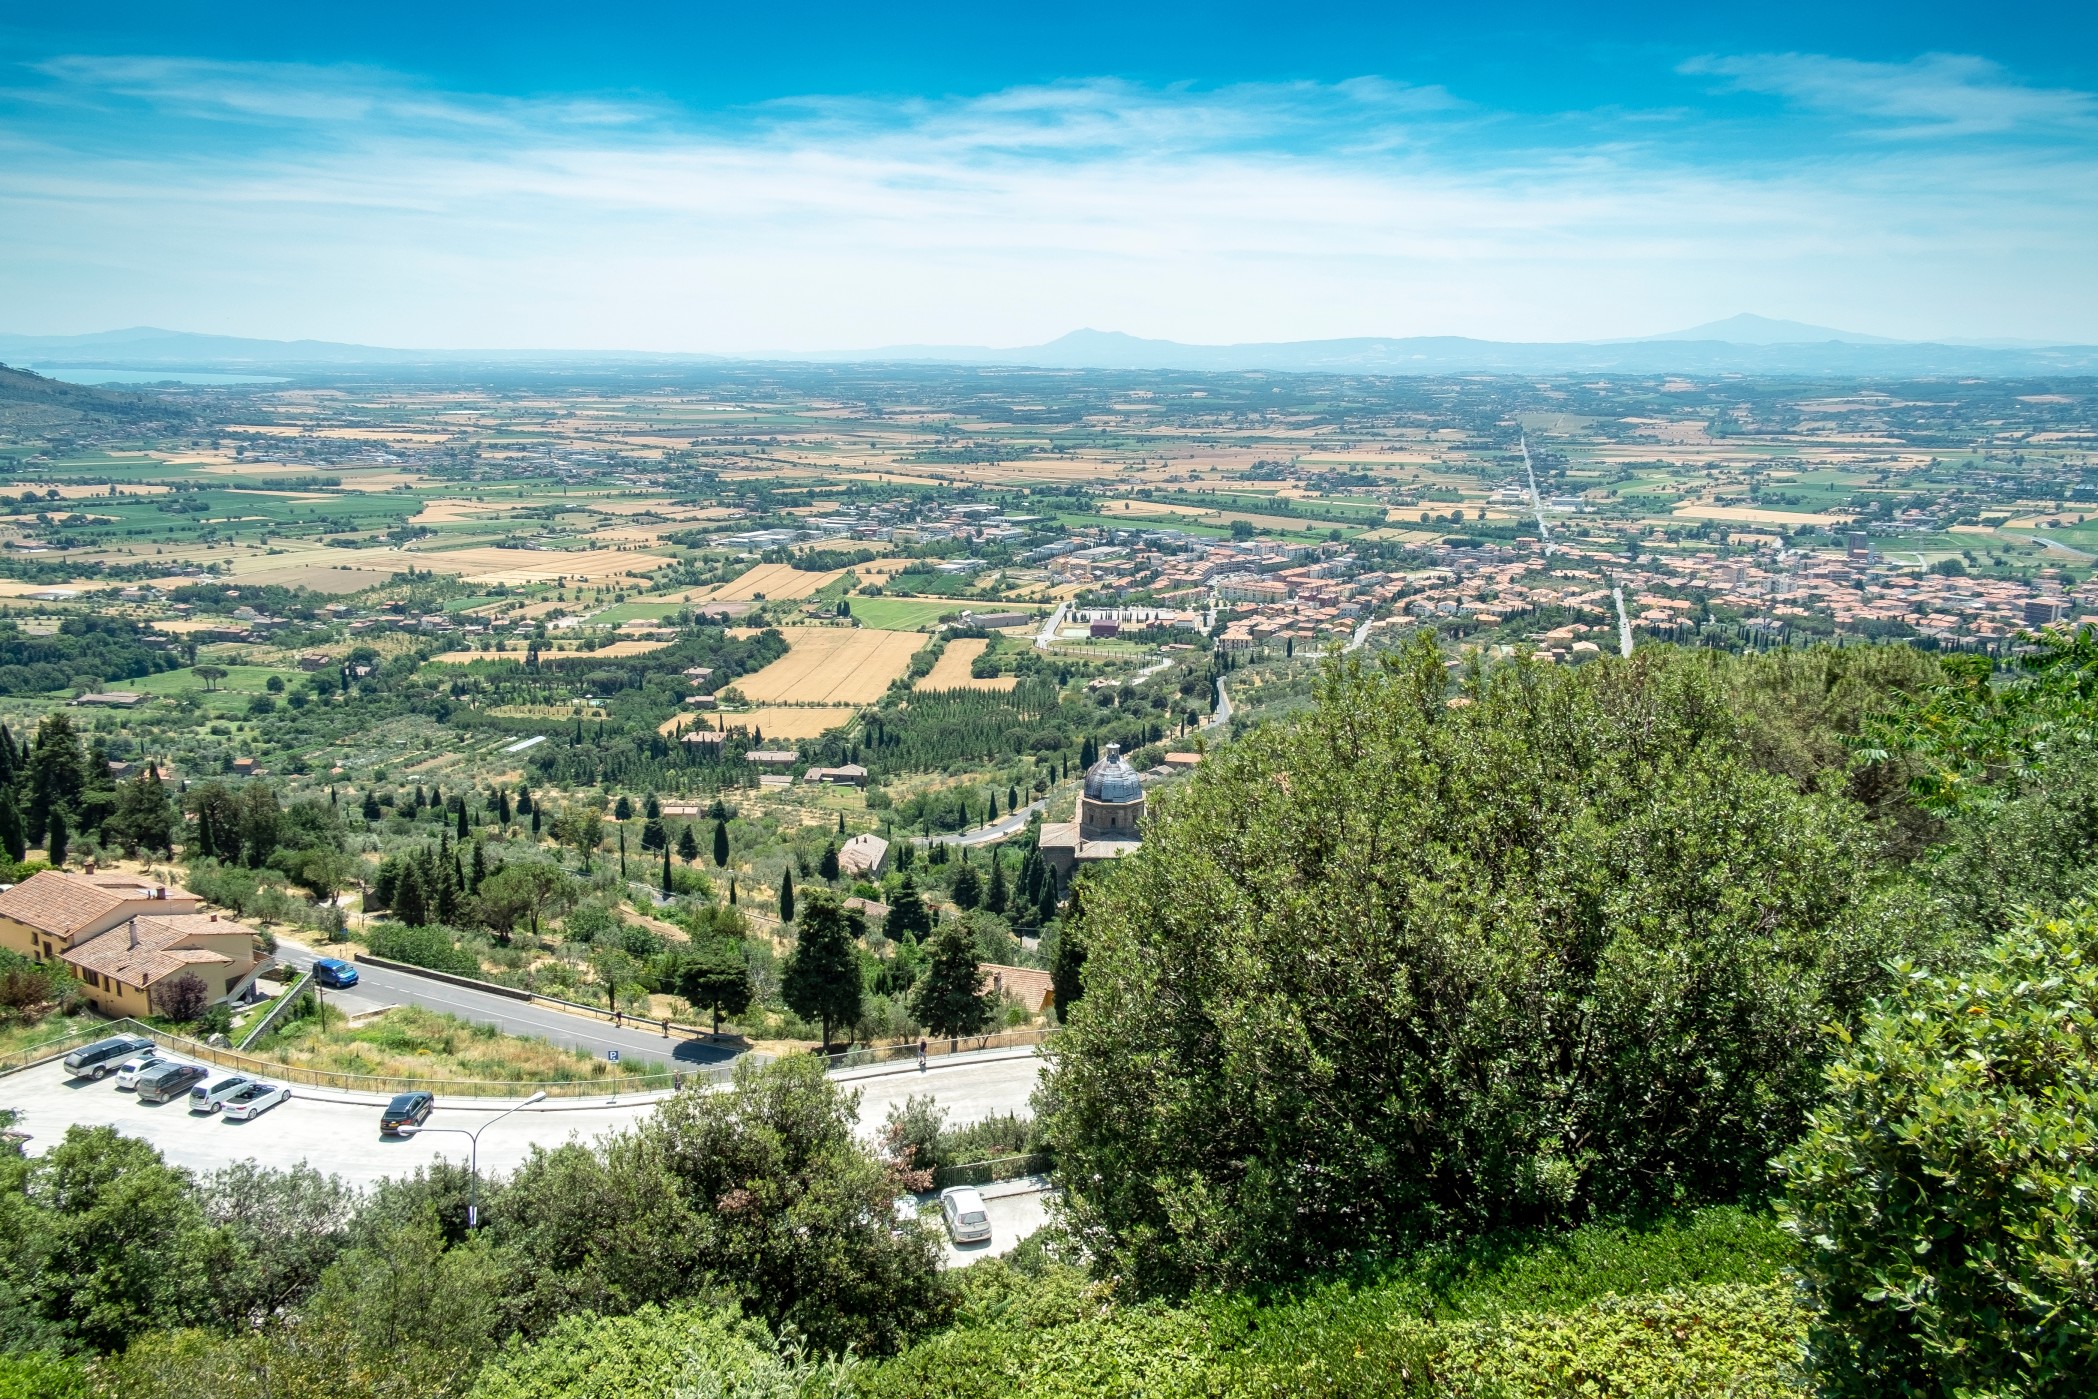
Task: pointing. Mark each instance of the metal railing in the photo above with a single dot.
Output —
(286, 1000)
(622, 1085)
(935, 1048)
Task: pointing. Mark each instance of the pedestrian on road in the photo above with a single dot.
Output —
(921, 1054)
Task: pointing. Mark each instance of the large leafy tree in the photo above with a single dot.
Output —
(1412, 966)
(715, 976)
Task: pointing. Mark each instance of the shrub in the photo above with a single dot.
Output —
(429, 946)
(682, 1350)
(1946, 1196)
(1410, 969)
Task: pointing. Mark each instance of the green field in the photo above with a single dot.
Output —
(909, 614)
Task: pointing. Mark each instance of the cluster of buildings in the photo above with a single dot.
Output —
(128, 940)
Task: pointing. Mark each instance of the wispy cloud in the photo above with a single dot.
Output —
(356, 203)
(1935, 95)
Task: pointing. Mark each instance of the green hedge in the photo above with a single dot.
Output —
(430, 947)
(1946, 1196)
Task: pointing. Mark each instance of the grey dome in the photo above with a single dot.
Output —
(1112, 779)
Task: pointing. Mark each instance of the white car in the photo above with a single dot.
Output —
(130, 1069)
(967, 1218)
(254, 1100)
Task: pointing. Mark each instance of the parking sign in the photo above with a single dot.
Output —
(612, 1055)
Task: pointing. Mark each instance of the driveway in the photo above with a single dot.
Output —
(382, 986)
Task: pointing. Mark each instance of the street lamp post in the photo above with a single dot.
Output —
(473, 1187)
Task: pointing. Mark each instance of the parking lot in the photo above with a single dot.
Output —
(339, 1132)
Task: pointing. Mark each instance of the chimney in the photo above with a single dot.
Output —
(134, 932)
(90, 866)
(214, 918)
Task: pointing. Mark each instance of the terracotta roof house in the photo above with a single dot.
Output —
(54, 911)
(127, 969)
(1034, 989)
(863, 855)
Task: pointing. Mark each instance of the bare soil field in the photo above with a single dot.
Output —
(1745, 514)
(612, 652)
(833, 665)
(951, 671)
(773, 580)
(321, 578)
(517, 566)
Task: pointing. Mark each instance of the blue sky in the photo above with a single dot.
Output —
(708, 177)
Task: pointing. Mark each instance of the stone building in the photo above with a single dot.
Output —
(1110, 810)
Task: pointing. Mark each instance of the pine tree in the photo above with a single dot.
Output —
(623, 809)
(908, 920)
(822, 979)
(949, 998)
(968, 888)
(828, 866)
(720, 844)
(786, 896)
(525, 805)
(372, 810)
(687, 845)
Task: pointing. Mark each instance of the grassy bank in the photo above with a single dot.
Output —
(411, 1042)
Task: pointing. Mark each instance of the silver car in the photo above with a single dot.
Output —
(967, 1218)
(206, 1097)
(254, 1100)
(128, 1072)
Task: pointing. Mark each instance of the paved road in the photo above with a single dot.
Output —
(339, 1132)
(383, 986)
(1222, 714)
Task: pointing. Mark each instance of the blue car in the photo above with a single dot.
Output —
(334, 974)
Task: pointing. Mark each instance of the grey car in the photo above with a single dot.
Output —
(158, 1085)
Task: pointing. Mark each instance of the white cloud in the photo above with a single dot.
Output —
(1936, 95)
(349, 204)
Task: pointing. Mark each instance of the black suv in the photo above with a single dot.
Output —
(102, 1057)
(406, 1110)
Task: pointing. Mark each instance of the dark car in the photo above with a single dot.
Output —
(170, 1081)
(334, 974)
(103, 1056)
(406, 1110)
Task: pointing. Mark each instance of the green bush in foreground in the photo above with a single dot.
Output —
(1947, 1194)
(1406, 970)
(695, 1350)
(1690, 1307)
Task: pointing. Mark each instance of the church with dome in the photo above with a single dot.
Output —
(1110, 809)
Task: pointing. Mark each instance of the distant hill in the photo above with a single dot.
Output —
(1745, 329)
(1739, 345)
(31, 404)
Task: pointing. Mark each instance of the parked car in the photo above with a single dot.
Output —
(99, 1059)
(968, 1219)
(206, 1097)
(128, 1072)
(334, 973)
(169, 1080)
(406, 1110)
(254, 1100)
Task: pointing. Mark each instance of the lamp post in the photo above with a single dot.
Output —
(473, 1188)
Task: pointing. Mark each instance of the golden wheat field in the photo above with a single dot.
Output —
(951, 671)
(833, 665)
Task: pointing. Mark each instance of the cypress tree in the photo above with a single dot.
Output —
(786, 896)
(666, 869)
(720, 844)
(478, 870)
(462, 819)
(11, 827)
(732, 891)
(994, 897)
(502, 807)
(687, 845)
(828, 866)
(968, 888)
(56, 835)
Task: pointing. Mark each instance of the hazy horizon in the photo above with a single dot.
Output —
(750, 185)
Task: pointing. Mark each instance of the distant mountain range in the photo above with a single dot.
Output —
(1739, 345)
